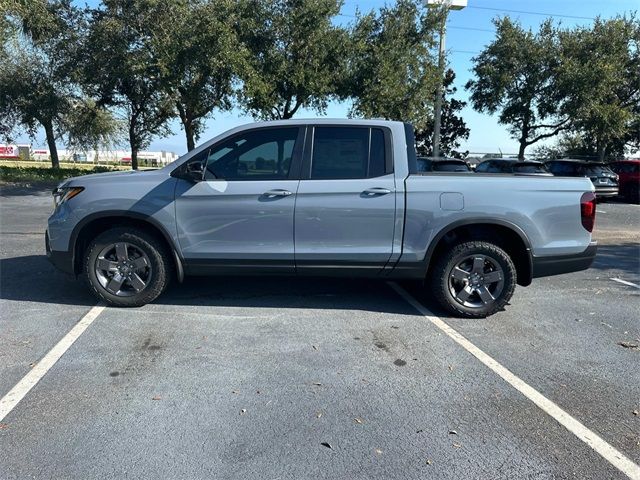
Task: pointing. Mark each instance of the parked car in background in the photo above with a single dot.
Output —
(628, 178)
(429, 164)
(513, 166)
(603, 178)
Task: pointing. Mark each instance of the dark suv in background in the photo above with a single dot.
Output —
(429, 164)
(513, 166)
(603, 178)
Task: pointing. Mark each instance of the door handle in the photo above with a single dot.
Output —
(277, 193)
(376, 191)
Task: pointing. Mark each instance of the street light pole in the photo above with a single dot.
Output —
(439, 93)
(437, 120)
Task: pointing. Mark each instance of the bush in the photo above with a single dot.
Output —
(44, 174)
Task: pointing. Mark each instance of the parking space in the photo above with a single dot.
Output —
(300, 378)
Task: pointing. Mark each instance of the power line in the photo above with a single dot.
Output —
(531, 13)
(471, 28)
(465, 51)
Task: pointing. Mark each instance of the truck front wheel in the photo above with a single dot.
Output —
(127, 267)
(473, 279)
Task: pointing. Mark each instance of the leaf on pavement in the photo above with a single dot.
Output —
(328, 445)
(633, 346)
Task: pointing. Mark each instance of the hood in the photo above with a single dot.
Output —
(116, 176)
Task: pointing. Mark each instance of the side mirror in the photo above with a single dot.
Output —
(192, 171)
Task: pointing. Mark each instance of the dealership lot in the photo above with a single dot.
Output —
(299, 378)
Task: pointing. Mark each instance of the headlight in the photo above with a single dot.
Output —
(63, 194)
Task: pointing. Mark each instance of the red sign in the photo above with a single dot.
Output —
(8, 151)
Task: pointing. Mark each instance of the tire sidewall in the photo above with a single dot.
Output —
(145, 242)
(457, 254)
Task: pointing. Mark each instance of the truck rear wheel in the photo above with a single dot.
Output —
(127, 267)
(473, 279)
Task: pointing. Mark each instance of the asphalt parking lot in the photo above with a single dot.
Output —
(280, 378)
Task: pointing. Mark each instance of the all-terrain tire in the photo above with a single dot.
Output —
(444, 279)
(157, 260)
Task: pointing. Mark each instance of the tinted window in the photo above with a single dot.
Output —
(347, 152)
(596, 169)
(256, 155)
(504, 167)
(483, 167)
(529, 168)
(564, 168)
(376, 154)
(450, 167)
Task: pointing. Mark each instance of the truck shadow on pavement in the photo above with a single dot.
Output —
(624, 257)
(33, 279)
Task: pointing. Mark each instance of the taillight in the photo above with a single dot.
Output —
(588, 210)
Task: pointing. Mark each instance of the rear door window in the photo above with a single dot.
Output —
(348, 152)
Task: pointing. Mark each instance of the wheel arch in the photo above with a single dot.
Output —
(93, 225)
(503, 233)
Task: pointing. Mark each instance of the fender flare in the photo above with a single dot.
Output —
(486, 221)
(73, 239)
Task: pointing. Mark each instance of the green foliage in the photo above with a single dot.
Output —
(601, 78)
(517, 77)
(392, 73)
(200, 55)
(122, 69)
(37, 76)
(453, 128)
(41, 174)
(296, 55)
(89, 126)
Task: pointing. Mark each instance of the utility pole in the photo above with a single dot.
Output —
(448, 5)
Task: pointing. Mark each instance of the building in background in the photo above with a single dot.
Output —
(24, 152)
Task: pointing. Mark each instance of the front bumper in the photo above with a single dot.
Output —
(61, 260)
(558, 264)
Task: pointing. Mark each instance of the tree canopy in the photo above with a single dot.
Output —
(296, 56)
(392, 71)
(122, 69)
(516, 77)
(453, 128)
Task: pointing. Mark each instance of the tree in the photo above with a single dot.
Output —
(601, 75)
(200, 57)
(296, 56)
(89, 126)
(122, 68)
(37, 79)
(517, 77)
(392, 73)
(453, 128)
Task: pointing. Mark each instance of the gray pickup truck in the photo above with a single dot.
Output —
(320, 197)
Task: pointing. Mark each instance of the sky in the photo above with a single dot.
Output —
(468, 30)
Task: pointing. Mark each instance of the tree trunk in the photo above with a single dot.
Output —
(133, 143)
(188, 131)
(187, 122)
(134, 158)
(601, 147)
(523, 145)
(51, 142)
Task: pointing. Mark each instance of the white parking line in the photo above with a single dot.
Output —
(608, 452)
(624, 282)
(17, 393)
